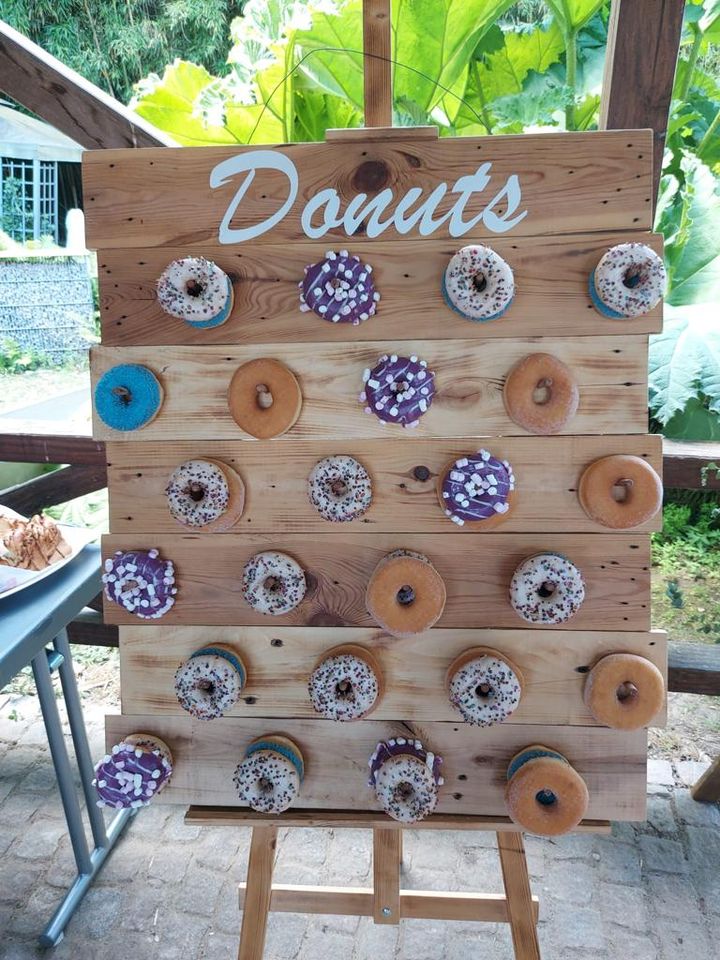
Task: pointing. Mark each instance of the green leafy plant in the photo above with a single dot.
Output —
(17, 359)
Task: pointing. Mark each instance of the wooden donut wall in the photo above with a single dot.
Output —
(583, 193)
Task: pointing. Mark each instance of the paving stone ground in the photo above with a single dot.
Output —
(169, 892)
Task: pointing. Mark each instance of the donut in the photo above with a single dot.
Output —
(197, 291)
(544, 794)
(405, 594)
(476, 489)
(398, 390)
(628, 281)
(141, 582)
(210, 682)
(128, 396)
(264, 398)
(346, 683)
(624, 691)
(273, 583)
(205, 494)
(133, 773)
(269, 777)
(484, 686)
(638, 486)
(478, 284)
(540, 394)
(339, 289)
(340, 489)
(547, 588)
(406, 778)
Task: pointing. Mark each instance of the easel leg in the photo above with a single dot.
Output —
(707, 787)
(519, 898)
(387, 853)
(257, 893)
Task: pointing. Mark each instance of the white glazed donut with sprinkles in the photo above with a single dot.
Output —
(478, 284)
(547, 588)
(197, 291)
(345, 685)
(273, 583)
(340, 488)
(339, 289)
(209, 682)
(201, 493)
(484, 686)
(406, 778)
(269, 777)
(628, 281)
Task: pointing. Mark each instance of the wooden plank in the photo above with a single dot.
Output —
(51, 489)
(413, 904)
(67, 100)
(612, 762)
(387, 847)
(48, 448)
(377, 71)
(405, 477)
(569, 183)
(209, 816)
(338, 567)
(691, 466)
(258, 893)
(551, 295)
(694, 668)
(707, 788)
(638, 81)
(88, 629)
(522, 917)
(554, 665)
(611, 375)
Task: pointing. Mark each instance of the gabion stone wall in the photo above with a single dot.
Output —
(47, 305)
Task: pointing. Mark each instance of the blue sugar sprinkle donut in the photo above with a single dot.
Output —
(128, 396)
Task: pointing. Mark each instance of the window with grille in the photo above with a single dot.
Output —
(29, 199)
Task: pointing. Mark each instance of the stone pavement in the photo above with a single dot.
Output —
(169, 892)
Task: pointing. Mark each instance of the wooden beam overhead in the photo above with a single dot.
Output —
(66, 100)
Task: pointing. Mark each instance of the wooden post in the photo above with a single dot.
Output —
(257, 893)
(707, 788)
(519, 898)
(642, 49)
(377, 67)
(387, 854)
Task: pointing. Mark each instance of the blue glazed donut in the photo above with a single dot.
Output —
(128, 396)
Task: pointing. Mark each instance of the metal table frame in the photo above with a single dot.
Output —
(33, 630)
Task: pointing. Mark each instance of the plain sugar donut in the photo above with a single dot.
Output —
(205, 494)
(346, 684)
(264, 398)
(634, 478)
(540, 394)
(478, 284)
(273, 583)
(269, 777)
(544, 794)
(406, 594)
(484, 686)
(624, 691)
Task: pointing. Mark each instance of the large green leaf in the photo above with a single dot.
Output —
(572, 14)
(339, 70)
(691, 228)
(685, 361)
(695, 422)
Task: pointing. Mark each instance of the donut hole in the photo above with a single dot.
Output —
(205, 686)
(546, 797)
(483, 691)
(620, 490)
(546, 589)
(399, 386)
(338, 487)
(405, 595)
(263, 397)
(130, 585)
(403, 792)
(344, 690)
(479, 282)
(273, 584)
(336, 283)
(194, 288)
(123, 394)
(627, 692)
(542, 391)
(196, 492)
(632, 277)
(265, 786)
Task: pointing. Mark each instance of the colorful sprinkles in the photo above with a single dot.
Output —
(273, 583)
(486, 690)
(209, 683)
(340, 489)
(547, 588)
(628, 281)
(343, 687)
(197, 493)
(197, 291)
(478, 284)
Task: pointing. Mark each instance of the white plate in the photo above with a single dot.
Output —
(13, 580)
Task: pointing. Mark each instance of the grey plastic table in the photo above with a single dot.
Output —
(33, 631)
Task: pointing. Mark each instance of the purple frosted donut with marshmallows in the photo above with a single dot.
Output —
(141, 582)
(398, 390)
(133, 773)
(339, 289)
(477, 488)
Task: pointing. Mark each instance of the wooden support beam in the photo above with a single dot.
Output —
(691, 466)
(519, 897)
(387, 847)
(257, 893)
(50, 489)
(377, 67)
(66, 100)
(49, 448)
(707, 787)
(694, 668)
(642, 50)
(88, 629)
